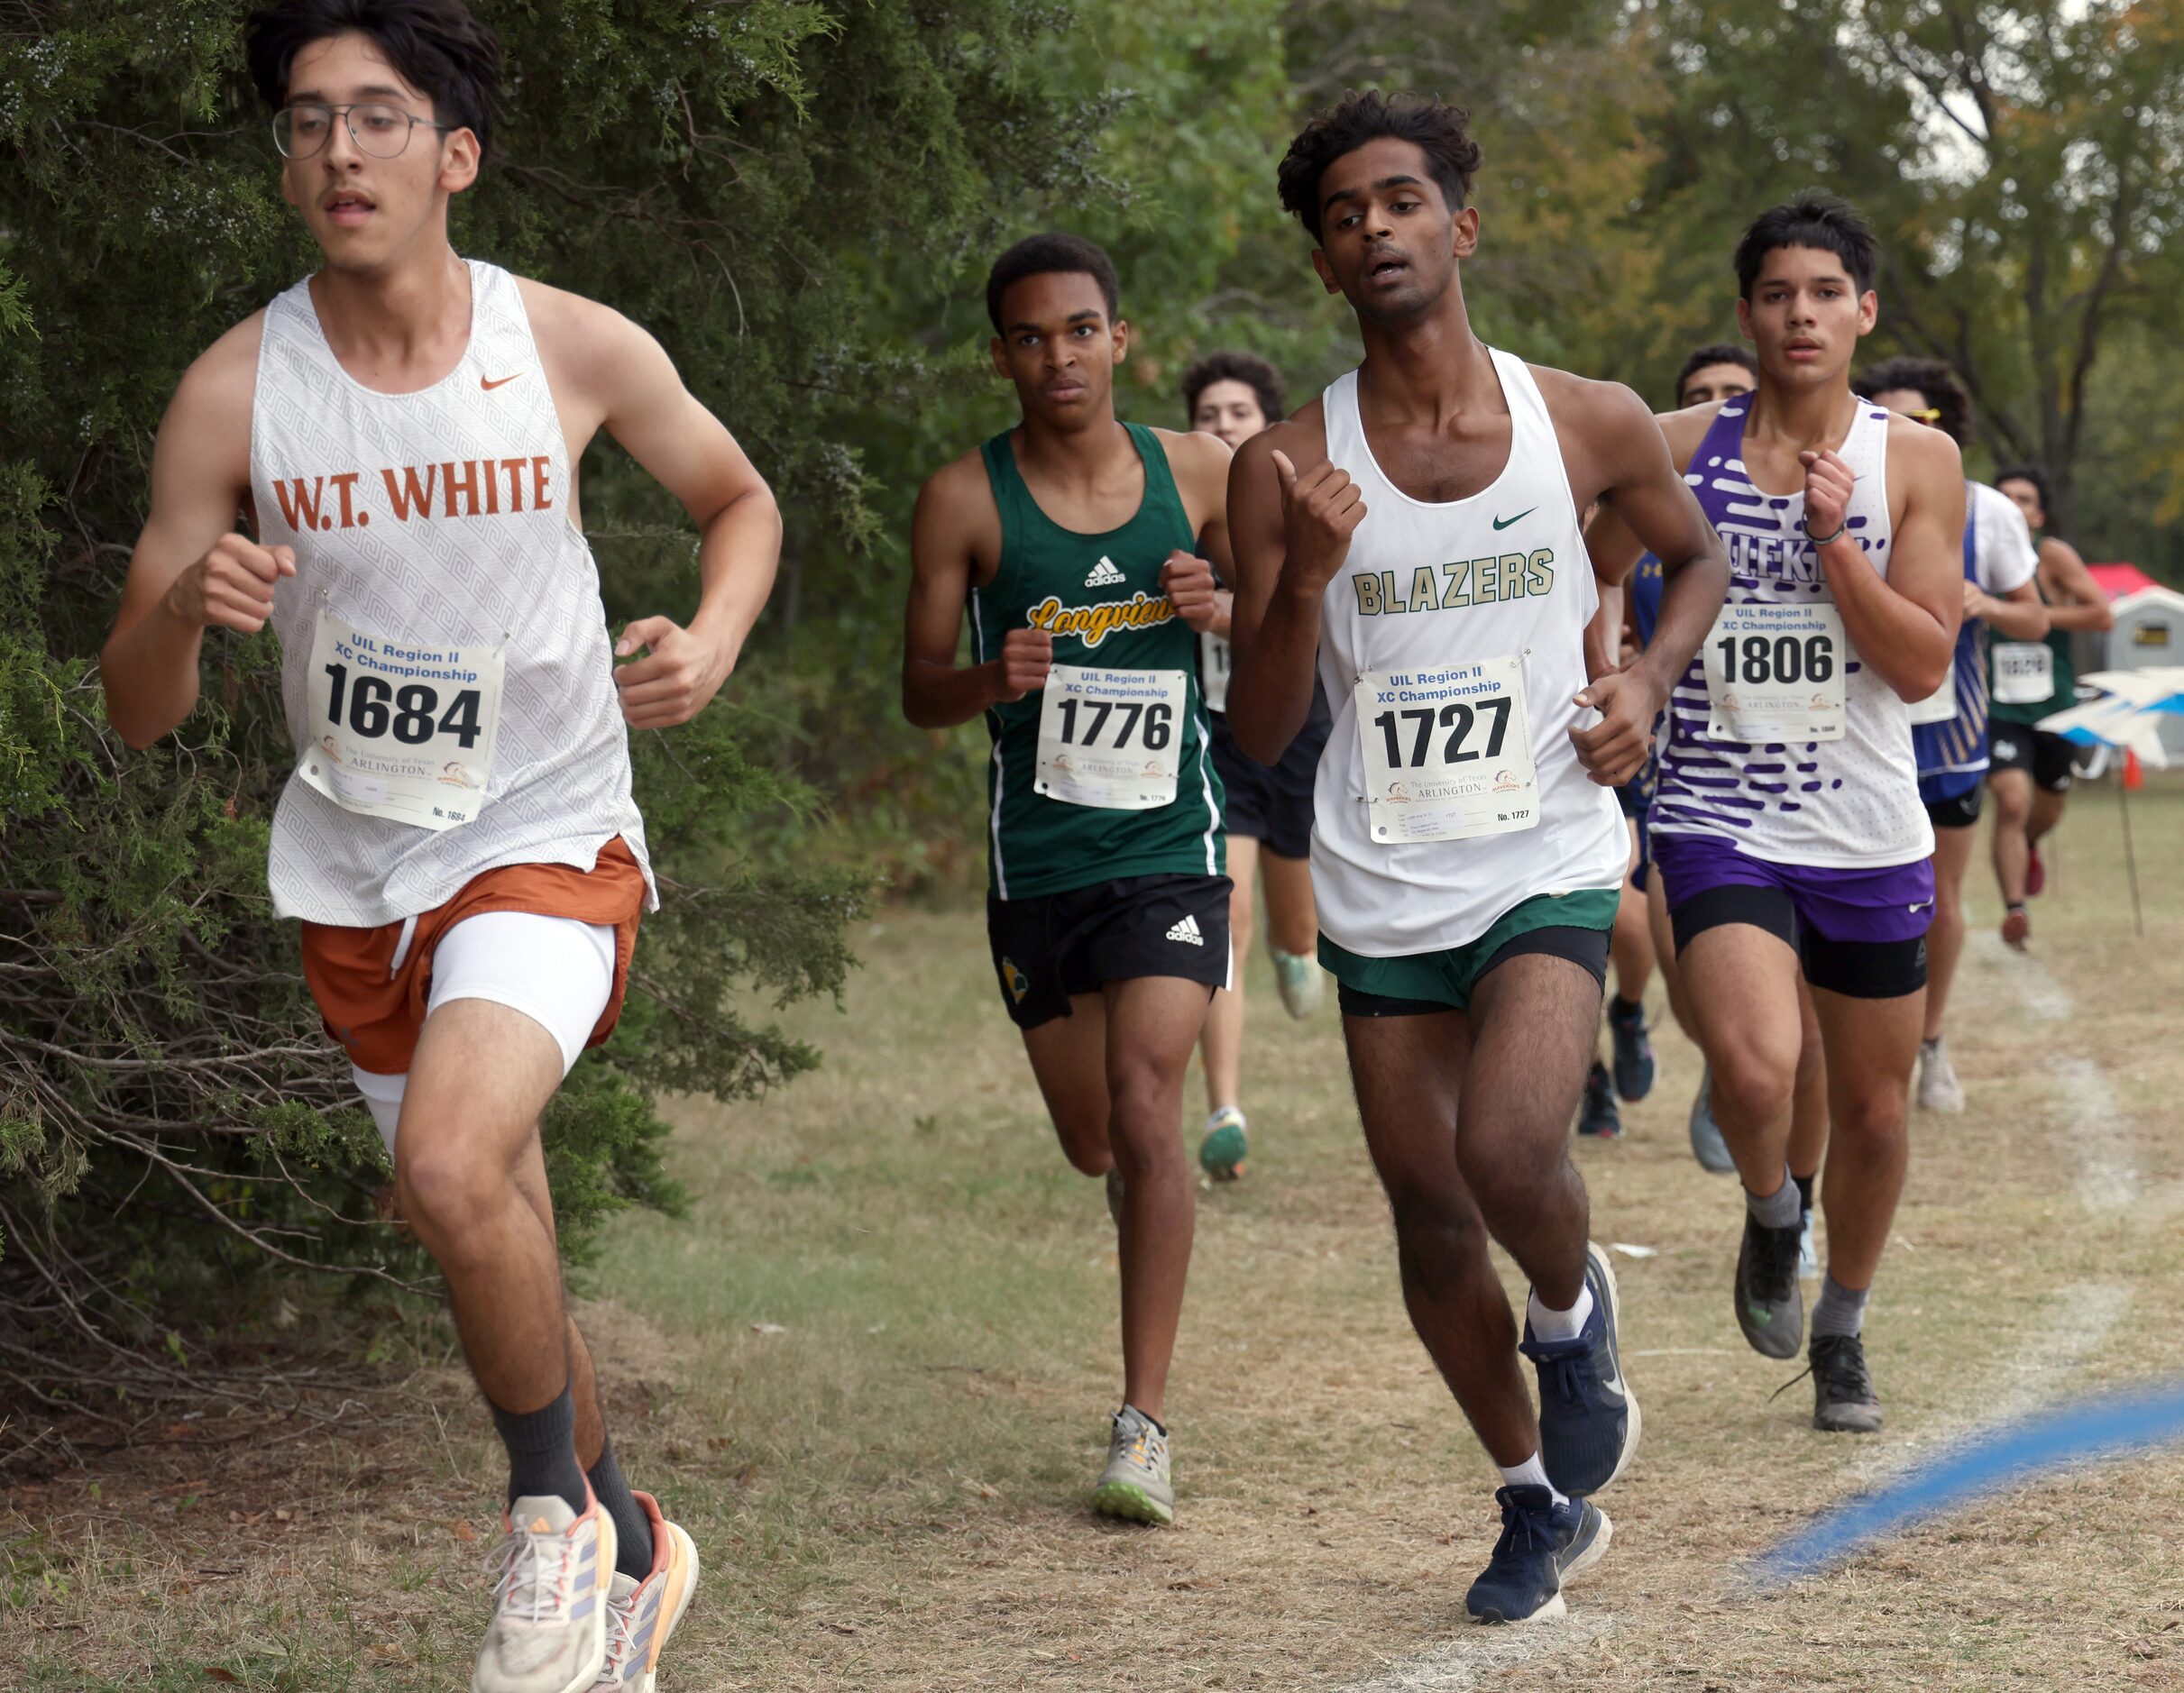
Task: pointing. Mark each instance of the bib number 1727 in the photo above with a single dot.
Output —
(1418, 726)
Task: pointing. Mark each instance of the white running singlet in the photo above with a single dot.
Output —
(1466, 621)
(446, 666)
(1841, 799)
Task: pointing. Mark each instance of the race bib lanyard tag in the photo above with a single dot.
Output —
(1448, 752)
(1111, 739)
(1216, 658)
(1774, 672)
(401, 730)
(1939, 706)
(2024, 673)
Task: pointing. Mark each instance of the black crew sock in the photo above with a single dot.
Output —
(632, 1527)
(1804, 1189)
(542, 1452)
(1623, 1010)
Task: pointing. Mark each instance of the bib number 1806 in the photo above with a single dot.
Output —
(372, 708)
(1457, 717)
(1758, 660)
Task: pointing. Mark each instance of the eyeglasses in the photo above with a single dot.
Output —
(378, 129)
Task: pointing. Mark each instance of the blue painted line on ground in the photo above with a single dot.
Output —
(2083, 1431)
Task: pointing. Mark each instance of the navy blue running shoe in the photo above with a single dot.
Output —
(1588, 1416)
(1597, 1116)
(1543, 1545)
(1633, 1049)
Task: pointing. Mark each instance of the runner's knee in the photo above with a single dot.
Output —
(1753, 1083)
(1440, 1244)
(448, 1191)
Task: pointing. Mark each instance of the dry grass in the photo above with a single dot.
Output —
(887, 1492)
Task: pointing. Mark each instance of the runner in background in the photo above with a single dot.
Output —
(1949, 729)
(1268, 810)
(2031, 768)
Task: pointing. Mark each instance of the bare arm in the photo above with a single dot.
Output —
(938, 693)
(1904, 625)
(1290, 531)
(2018, 614)
(1192, 581)
(190, 570)
(2075, 599)
(691, 454)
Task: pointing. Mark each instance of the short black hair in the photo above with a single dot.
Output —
(2031, 473)
(1814, 218)
(1053, 255)
(1248, 368)
(1930, 377)
(1715, 353)
(1441, 131)
(436, 45)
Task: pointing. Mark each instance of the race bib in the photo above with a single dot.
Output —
(401, 730)
(2024, 671)
(1111, 739)
(1939, 706)
(1774, 672)
(1448, 752)
(1216, 658)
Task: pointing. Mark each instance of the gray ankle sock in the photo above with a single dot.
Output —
(542, 1452)
(1839, 1309)
(632, 1527)
(1777, 1210)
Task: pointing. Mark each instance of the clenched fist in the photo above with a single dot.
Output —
(1320, 511)
(1828, 484)
(232, 586)
(1188, 583)
(1026, 657)
(673, 683)
(1614, 749)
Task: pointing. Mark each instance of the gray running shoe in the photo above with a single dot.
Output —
(1939, 1089)
(1135, 1484)
(1770, 1305)
(1843, 1400)
(1706, 1142)
(549, 1628)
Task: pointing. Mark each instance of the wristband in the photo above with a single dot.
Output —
(1824, 540)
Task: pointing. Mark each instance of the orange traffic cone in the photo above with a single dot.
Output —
(2134, 778)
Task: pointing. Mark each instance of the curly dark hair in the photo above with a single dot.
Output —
(1441, 131)
(1815, 218)
(1929, 377)
(2031, 473)
(1714, 352)
(1248, 368)
(437, 46)
(1053, 255)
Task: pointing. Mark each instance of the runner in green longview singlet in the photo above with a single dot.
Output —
(1099, 595)
(2065, 694)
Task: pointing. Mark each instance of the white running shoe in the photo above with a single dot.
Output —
(1939, 1089)
(1137, 1484)
(549, 1628)
(642, 1614)
(1297, 978)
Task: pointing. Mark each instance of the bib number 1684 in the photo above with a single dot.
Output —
(371, 707)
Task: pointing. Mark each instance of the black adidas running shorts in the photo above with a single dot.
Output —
(1270, 803)
(2042, 754)
(1054, 944)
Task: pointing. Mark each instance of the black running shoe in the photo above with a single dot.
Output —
(1633, 1049)
(1543, 1545)
(1599, 1116)
(1588, 1416)
(1843, 1400)
(1770, 1305)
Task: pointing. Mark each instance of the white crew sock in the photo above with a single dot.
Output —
(1532, 1473)
(1559, 1325)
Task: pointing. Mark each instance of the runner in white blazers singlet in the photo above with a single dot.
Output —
(1411, 540)
(402, 429)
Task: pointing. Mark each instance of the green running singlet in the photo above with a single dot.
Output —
(1099, 595)
(2065, 676)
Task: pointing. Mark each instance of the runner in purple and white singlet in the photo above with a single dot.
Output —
(1787, 827)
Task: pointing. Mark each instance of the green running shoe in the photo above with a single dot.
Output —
(1221, 1153)
(1135, 1484)
(1298, 980)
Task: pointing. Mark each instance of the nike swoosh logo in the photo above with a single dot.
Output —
(1503, 522)
(489, 383)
